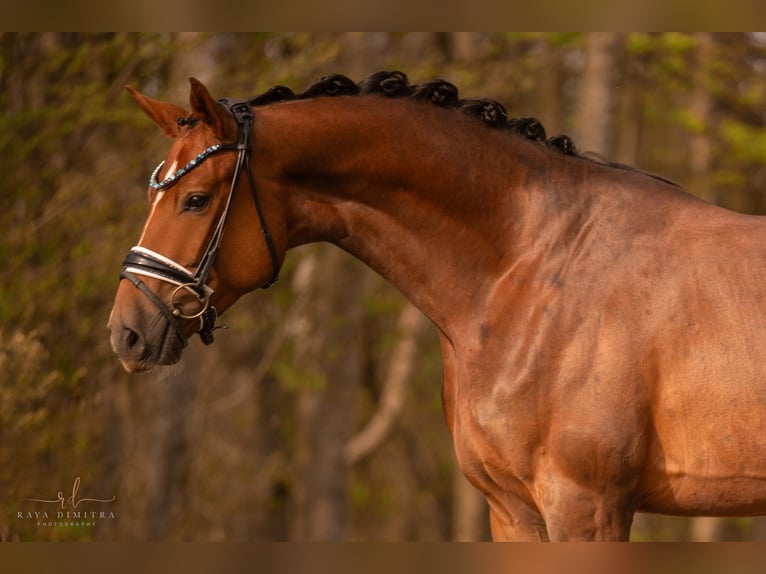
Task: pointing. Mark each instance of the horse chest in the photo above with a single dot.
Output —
(494, 431)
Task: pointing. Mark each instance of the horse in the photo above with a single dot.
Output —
(601, 329)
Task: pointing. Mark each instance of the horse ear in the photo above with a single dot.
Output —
(163, 114)
(210, 112)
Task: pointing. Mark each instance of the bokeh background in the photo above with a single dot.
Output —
(317, 414)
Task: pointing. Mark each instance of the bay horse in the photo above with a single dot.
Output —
(602, 330)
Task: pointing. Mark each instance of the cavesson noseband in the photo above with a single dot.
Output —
(147, 263)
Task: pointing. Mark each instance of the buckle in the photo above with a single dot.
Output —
(208, 325)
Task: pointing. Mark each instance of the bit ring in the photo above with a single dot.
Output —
(176, 309)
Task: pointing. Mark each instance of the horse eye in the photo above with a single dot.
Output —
(196, 202)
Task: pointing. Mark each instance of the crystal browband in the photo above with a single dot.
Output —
(170, 180)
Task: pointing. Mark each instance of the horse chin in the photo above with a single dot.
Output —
(171, 348)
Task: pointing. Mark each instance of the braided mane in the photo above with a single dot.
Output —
(445, 94)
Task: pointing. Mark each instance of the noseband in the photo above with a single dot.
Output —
(147, 263)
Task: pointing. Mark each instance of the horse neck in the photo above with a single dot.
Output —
(429, 198)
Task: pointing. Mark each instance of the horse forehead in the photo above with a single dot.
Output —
(169, 169)
(186, 147)
(178, 155)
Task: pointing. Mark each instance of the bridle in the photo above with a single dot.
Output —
(141, 261)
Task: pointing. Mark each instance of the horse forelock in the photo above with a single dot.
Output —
(190, 121)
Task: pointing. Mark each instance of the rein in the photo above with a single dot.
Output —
(148, 263)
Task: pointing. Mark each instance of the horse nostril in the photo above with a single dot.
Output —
(131, 338)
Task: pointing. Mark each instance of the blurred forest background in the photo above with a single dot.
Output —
(317, 415)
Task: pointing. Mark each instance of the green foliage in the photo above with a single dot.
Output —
(639, 43)
(293, 378)
(23, 372)
(693, 123)
(746, 144)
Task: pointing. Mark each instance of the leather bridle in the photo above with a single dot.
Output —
(145, 262)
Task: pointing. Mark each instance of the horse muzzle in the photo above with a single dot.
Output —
(142, 338)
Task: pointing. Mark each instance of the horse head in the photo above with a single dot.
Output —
(196, 255)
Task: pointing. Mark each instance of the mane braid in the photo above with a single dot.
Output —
(334, 85)
(563, 143)
(490, 112)
(530, 128)
(439, 92)
(395, 84)
(391, 84)
(273, 95)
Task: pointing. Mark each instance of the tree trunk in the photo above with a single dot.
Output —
(700, 107)
(549, 105)
(470, 514)
(154, 430)
(411, 324)
(327, 356)
(594, 114)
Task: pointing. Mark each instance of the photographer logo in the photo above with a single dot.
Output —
(66, 511)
